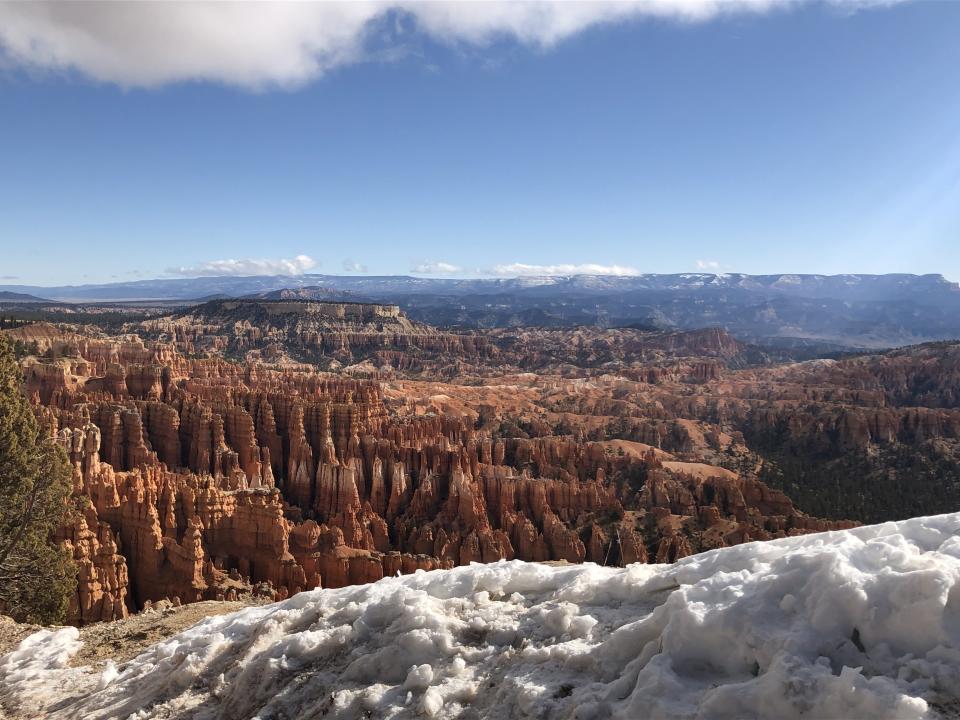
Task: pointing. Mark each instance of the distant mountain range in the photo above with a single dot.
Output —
(15, 297)
(863, 311)
(838, 287)
(310, 292)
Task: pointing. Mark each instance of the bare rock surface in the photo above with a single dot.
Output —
(209, 467)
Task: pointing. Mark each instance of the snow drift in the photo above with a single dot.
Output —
(862, 623)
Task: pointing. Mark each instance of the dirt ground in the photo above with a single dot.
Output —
(123, 640)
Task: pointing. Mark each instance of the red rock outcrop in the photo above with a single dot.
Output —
(203, 478)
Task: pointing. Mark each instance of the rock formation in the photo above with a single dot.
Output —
(200, 478)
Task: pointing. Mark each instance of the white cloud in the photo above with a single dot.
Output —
(248, 266)
(258, 45)
(354, 267)
(708, 265)
(523, 269)
(433, 267)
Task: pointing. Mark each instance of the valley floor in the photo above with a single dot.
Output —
(861, 623)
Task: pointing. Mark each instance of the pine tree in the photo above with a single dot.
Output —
(36, 575)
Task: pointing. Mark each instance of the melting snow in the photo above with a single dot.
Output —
(855, 624)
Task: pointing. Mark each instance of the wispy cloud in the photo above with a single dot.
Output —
(248, 266)
(435, 267)
(259, 45)
(708, 265)
(523, 269)
(354, 267)
(9, 277)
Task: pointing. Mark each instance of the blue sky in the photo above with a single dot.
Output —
(808, 139)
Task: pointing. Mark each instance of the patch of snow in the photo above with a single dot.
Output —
(788, 280)
(819, 363)
(37, 672)
(863, 623)
(537, 280)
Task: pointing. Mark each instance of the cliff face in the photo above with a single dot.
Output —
(206, 477)
(200, 479)
(381, 339)
(330, 334)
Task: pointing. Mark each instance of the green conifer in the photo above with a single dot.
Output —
(37, 576)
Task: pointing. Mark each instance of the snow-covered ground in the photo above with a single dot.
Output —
(855, 624)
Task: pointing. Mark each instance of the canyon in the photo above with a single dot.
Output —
(260, 448)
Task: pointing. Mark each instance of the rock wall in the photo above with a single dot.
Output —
(198, 479)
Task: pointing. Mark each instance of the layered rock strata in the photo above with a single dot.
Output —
(204, 478)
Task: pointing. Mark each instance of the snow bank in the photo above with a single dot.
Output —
(855, 624)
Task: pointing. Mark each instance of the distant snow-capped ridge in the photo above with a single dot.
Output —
(866, 287)
(862, 623)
